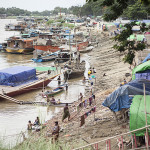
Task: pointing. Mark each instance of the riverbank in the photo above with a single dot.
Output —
(110, 72)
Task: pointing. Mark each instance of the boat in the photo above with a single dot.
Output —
(16, 27)
(60, 104)
(19, 45)
(63, 56)
(45, 43)
(46, 58)
(3, 47)
(87, 49)
(54, 91)
(74, 70)
(22, 79)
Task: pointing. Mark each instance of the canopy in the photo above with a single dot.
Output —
(137, 114)
(17, 75)
(45, 68)
(140, 68)
(120, 98)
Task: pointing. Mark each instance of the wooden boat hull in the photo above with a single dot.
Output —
(76, 74)
(54, 91)
(47, 48)
(43, 60)
(85, 51)
(19, 51)
(34, 86)
(48, 104)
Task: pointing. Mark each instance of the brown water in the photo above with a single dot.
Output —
(14, 117)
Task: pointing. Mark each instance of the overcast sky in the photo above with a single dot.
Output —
(40, 5)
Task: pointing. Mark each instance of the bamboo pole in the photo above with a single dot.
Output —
(146, 119)
(113, 137)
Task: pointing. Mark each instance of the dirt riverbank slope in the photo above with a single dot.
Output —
(109, 62)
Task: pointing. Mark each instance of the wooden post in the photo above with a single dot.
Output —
(132, 142)
(109, 142)
(135, 141)
(122, 142)
(146, 119)
(106, 145)
(96, 146)
(119, 144)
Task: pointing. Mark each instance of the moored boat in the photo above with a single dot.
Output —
(18, 45)
(21, 79)
(46, 58)
(87, 49)
(54, 91)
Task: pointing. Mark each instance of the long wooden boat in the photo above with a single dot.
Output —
(47, 48)
(17, 45)
(86, 50)
(54, 91)
(43, 79)
(48, 104)
(45, 58)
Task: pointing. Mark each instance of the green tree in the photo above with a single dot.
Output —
(134, 9)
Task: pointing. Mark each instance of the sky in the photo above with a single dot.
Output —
(40, 5)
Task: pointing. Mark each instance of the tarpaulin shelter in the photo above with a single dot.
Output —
(137, 114)
(140, 69)
(17, 75)
(137, 37)
(120, 98)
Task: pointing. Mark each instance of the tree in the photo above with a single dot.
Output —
(134, 9)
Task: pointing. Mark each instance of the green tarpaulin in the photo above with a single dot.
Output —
(45, 68)
(139, 37)
(140, 68)
(132, 37)
(137, 114)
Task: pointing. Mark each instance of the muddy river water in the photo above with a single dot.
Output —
(14, 117)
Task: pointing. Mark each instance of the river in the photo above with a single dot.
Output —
(14, 117)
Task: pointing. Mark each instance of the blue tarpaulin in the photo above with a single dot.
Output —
(120, 98)
(17, 75)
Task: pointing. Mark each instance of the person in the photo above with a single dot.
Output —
(94, 70)
(84, 79)
(104, 74)
(37, 121)
(58, 102)
(3, 92)
(53, 100)
(49, 72)
(81, 97)
(55, 132)
(93, 96)
(66, 86)
(66, 113)
(89, 72)
(48, 100)
(29, 125)
(125, 81)
(59, 80)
